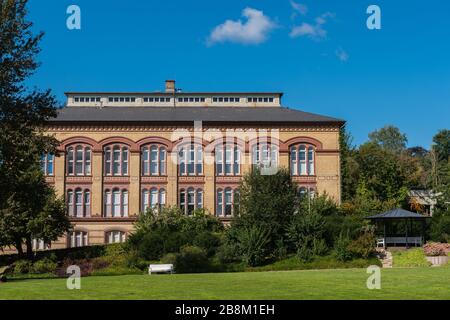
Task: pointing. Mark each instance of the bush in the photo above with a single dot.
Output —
(45, 265)
(364, 246)
(207, 241)
(434, 249)
(410, 258)
(252, 244)
(170, 258)
(440, 227)
(22, 267)
(191, 259)
(341, 250)
(227, 253)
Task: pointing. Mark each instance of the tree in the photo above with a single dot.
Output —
(441, 160)
(349, 166)
(389, 138)
(28, 207)
(381, 172)
(267, 203)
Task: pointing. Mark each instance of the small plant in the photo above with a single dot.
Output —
(434, 249)
(341, 250)
(22, 267)
(45, 265)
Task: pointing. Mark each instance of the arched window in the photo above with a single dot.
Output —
(78, 239)
(79, 203)
(228, 160)
(191, 199)
(153, 160)
(265, 155)
(153, 198)
(190, 159)
(79, 160)
(116, 203)
(115, 236)
(47, 164)
(116, 160)
(302, 160)
(227, 202)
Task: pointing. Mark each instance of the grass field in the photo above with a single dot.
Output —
(414, 283)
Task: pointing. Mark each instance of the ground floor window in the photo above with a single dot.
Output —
(115, 237)
(78, 239)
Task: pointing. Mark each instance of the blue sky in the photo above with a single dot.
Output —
(318, 52)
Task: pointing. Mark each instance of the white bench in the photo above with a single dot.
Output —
(155, 268)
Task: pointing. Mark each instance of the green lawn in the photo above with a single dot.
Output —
(416, 283)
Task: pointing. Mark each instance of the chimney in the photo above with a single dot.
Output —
(170, 86)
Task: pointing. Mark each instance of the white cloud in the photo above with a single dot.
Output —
(299, 7)
(342, 54)
(314, 31)
(253, 31)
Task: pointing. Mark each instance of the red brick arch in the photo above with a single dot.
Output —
(122, 140)
(308, 140)
(155, 140)
(79, 140)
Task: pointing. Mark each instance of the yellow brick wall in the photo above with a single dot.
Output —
(326, 161)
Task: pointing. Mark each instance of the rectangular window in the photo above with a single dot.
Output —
(199, 161)
(228, 160)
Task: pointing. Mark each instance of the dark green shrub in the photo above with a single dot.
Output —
(191, 259)
(170, 258)
(341, 250)
(440, 227)
(253, 243)
(228, 252)
(304, 252)
(151, 246)
(207, 241)
(319, 247)
(22, 267)
(364, 246)
(45, 265)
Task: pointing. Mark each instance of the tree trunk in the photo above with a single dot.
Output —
(19, 249)
(29, 248)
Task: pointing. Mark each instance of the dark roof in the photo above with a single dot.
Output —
(189, 114)
(398, 214)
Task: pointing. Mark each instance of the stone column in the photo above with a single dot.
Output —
(172, 179)
(210, 185)
(134, 191)
(97, 184)
(59, 171)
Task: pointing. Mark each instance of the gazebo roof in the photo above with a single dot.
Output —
(398, 214)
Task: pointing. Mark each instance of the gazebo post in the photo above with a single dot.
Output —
(384, 233)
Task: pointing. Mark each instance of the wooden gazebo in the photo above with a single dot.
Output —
(399, 227)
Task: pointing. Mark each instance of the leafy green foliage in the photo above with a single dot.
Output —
(191, 259)
(364, 245)
(160, 233)
(409, 258)
(389, 138)
(252, 244)
(28, 206)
